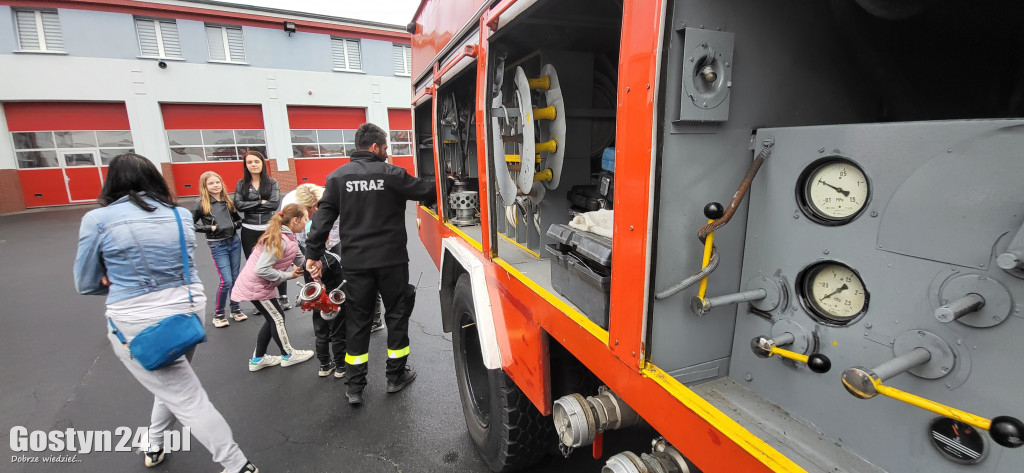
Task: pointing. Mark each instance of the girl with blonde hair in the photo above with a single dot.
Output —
(308, 195)
(214, 214)
(273, 260)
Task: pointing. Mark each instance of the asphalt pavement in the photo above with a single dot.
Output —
(57, 372)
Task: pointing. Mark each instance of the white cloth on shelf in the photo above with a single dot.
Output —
(598, 222)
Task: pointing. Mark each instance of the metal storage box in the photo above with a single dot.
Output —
(581, 270)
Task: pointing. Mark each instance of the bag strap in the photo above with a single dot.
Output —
(184, 264)
(117, 333)
(184, 255)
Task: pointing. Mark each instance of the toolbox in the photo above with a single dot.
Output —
(587, 197)
(581, 269)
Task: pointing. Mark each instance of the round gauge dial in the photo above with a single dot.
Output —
(834, 292)
(957, 441)
(833, 191)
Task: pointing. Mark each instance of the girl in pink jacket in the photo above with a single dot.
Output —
(271, 262)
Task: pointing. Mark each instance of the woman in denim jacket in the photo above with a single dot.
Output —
(128, 250)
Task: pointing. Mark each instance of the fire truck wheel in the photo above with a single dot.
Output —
(508, 431)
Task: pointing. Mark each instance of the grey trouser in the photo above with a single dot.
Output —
(178, 394)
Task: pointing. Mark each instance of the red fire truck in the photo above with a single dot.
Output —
(734, 223)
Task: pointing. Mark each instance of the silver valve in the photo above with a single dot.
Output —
(1012, 259)
(867, 383)
(764, 347)
(664, 458)
(860, 381)
(965, 305)
(579, 419)
(703, 306)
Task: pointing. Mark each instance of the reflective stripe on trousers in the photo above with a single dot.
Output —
(357, 359)
(399, 353)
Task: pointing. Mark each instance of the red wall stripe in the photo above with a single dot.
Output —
(60, 116)
(325, 118)
(399, 119)
(187, 174)
(215, 16)
(187, 116)
(315, 170)
(405, 162)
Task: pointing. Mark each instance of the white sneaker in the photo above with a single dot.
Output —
(248, 468)
(154, 458)
(267, 360)
(296, 357)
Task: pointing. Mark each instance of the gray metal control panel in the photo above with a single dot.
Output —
(879, 242)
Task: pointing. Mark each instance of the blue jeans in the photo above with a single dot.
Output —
(227, 255)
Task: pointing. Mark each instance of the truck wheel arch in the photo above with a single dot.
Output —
(458, 260)
(507, 429)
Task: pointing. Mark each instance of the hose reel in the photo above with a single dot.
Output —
(532, 167)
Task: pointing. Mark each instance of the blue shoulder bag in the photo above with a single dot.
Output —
(160, 344)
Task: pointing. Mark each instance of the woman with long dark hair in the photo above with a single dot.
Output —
(257, 195)
(129, 250)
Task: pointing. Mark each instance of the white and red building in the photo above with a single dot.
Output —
(190, 85)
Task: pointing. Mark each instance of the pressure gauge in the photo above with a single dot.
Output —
(833, 292)
(957, 441)
(833, 191)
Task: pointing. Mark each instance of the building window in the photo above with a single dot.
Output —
(345, 54)
(401, 56)
(38, 149)
(401, 143)
(214, 145)
(323, 143)
(226, 44)
(39, 30)
(158, 38)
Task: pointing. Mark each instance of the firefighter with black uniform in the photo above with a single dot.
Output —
(369, 196)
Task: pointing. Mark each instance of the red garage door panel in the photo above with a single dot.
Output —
(315, 170)
(405, 162)
(399, 119)
(45, 116)
(186, 175)
(325, 118)
(83, 183)
(188, 116)
(43, 187)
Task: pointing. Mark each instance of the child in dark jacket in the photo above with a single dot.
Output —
(214, 214)
(330, 331)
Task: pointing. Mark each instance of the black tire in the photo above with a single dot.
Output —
(509, 432)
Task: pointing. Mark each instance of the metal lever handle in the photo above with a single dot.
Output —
(702, 306)
(717, 217)
(765, 347)
(867, 383)
(959, 308)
